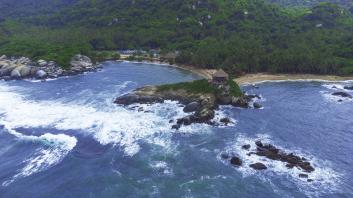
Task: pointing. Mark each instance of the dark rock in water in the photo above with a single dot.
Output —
(171, 121)
(140, 109)
(259, 144)
(257, 105)
(246, 147)
(191, 107)
(271, 152)
(226, 121)
(306, 167)
(342, 94)
(258, 166)
(176, 126)
(133, 98)
(290, 166)
(225, 156)
(348, 87)
(236, 161)
(309, 180)
(339, 100)
(303, 175)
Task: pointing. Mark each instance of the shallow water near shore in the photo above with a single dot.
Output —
(66, 138)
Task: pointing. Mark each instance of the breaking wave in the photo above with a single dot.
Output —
(53, 149)
(123, 127)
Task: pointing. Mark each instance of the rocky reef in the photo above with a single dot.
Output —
(202, 102)
(271, 152)
(12, 68)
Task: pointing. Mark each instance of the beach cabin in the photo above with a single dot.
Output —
(220, 77)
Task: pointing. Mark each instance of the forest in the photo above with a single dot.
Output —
(242, 36)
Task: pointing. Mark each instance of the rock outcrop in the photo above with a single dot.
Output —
(258, 166)
(20, 68)
(271, 152)
(342, 94)
(348, 87)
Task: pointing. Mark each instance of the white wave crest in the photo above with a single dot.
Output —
(54, 149)
(107, 124)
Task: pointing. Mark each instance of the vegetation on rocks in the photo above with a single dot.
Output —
(201, 86)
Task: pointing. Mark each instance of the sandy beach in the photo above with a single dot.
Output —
(258, 77)
(263, 77)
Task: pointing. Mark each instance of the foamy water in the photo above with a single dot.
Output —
(66, 137)
(325, 179)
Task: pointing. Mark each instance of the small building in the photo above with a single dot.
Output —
(220, 77)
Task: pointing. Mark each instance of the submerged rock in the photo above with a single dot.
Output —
(236, 161)
(258, 166)
(303, 175)
(225, 156)
(348, 87)
(342, 94)
(257, 105)
(246, 147)
(226, 121)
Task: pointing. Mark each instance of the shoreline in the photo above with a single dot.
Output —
(256, 78)
(264, 77)
(204, 73)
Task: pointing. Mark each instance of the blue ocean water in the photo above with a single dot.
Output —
(66, 138)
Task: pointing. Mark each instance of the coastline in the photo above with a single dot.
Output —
(257, 77)
(264, 77)
(205, 73)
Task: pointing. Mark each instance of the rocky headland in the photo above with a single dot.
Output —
(12, 68)
(200, 98)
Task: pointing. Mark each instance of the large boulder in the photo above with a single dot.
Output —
(42, 63)
(15, 74)
(23, 60)
(41, 74)
(3, 57)
(191, 107)
(80, 61)
(7, 69)
(23, 71)
(4, 63)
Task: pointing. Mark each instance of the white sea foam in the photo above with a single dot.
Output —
(53, 150)
(162, 167)
(325, 179)
(113, 125)
(334, 86)
(335, 99)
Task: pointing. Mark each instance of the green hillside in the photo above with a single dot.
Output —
(239, 36)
